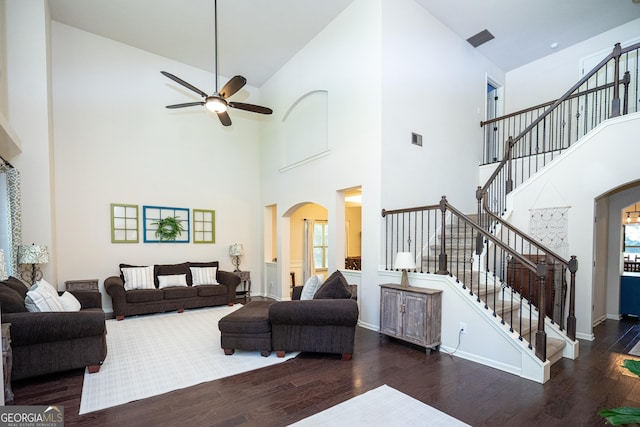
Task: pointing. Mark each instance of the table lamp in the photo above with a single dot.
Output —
(235, 251)
(34, 255)
(404, 262)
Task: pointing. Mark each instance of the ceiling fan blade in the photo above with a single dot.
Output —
(187, 104)
(235, 84)
(224, 118)
(185, 84)
(250, 107)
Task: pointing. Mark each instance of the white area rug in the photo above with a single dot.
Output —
(635, 350)
(155, 354)
(383, 406)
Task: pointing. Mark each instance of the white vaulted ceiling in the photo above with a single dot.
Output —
(256, 37)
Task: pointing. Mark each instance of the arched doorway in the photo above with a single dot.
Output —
(609, 249)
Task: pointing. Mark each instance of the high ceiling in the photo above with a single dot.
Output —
(256, 37)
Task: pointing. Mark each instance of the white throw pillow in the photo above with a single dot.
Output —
(172, 280)
(69, 302)
(40, 299)
(311, 286)
(138, 278)
(204, 275)
(47, 287)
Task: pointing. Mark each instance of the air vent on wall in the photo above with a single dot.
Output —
(480, 38)
(416, 139)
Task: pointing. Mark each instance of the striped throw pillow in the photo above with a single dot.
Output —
(138, 278)
(204, 275)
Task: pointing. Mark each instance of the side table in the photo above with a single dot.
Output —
(245, 279)
(7, 361)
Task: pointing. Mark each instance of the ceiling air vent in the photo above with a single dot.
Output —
(480, 38)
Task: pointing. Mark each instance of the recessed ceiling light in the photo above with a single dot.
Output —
(555, 44)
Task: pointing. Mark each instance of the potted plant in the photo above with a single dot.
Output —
(624, 415)
(168, 228)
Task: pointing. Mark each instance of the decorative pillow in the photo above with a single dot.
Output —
(138, 278)
(11, 301)
(335, 287)
(311, 286)
(47, 287)
(171, 270)
(69, 302)
(40, 298)
(172, 280)
(204, 275)
(127, 266)
(17, 285)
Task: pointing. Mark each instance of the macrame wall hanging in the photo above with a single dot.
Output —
(550, 227)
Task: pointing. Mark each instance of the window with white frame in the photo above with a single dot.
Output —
(320, 244)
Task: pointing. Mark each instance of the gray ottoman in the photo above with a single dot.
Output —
(247, 329)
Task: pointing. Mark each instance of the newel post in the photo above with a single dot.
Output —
(571, 319)
(615, 103)
(442, 258)
(479, 238)
(541, 335)
(509, 182)
(625, 94)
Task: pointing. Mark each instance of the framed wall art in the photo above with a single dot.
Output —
(204, 226)
(124, 223)
(164, 224)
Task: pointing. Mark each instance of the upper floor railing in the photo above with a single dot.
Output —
(542, 132)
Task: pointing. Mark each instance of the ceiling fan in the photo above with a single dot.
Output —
(217, 101)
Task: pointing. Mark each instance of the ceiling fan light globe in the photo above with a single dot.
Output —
(216, 105)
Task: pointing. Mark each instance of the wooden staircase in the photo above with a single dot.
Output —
(490, 291)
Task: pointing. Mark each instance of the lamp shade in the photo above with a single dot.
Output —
(236, 249)
(404, 261)
(33, 254)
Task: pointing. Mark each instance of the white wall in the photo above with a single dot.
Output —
(381, 63)
(434, 83)
(29, 112)
(585, 172)
(114, 142)
(550, 77)
(344, 60)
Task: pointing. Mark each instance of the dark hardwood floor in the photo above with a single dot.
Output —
(285, 393)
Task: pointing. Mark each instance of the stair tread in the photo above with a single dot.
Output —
(554, 345)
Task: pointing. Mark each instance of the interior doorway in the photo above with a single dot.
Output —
(353, 228)
(494, 108)
(309, 243)
(610, 248)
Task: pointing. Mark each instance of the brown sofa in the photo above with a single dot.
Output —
(174, 298)
(324, 324)
(48, 342)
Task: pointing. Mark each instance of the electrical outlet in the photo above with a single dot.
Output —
(463, 327)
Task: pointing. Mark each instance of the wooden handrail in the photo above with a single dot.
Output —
(529, 239)
(546, 104)
(522, 259)
(419, 208)
(544, 115)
